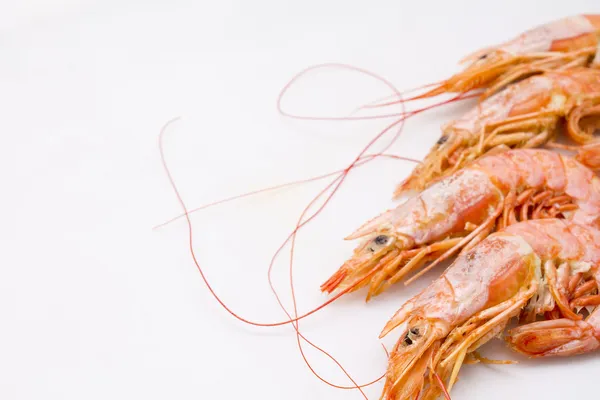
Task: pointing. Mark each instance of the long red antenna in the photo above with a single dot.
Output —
(334, 185)
(442, 386)
(191, 247)
(339, 181)
(292, 320)
(397, 94)
(363, 160)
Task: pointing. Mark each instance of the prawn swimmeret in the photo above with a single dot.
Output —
(459, 211)
(527, 114)
(557, 45)
(545, 267)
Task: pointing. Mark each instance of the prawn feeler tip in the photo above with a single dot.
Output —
(384, 333)
(352, 236)
(390, 326)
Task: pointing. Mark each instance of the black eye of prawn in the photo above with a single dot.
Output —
(410, 336)
(381, 240)
(483, 57)
(442, 140)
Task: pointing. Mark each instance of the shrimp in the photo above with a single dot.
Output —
(460, 210)
(523, 270)
(524, 115)
(557, 45)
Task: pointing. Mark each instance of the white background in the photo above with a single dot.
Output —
(95, 304)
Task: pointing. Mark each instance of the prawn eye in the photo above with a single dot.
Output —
(411, 336)
(442, 139)
(483, 57)
(378, 242)
(381, 240)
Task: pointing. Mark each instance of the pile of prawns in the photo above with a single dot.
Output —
(523, 222)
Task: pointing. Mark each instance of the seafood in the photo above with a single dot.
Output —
(460, 210)
(528, 269)
(557, 45)
(525, 115)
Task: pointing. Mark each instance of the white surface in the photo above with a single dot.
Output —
(94, 304)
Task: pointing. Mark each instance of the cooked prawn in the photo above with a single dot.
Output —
(557, 45)
(524, 269)
(524, 115)
(459, 211)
